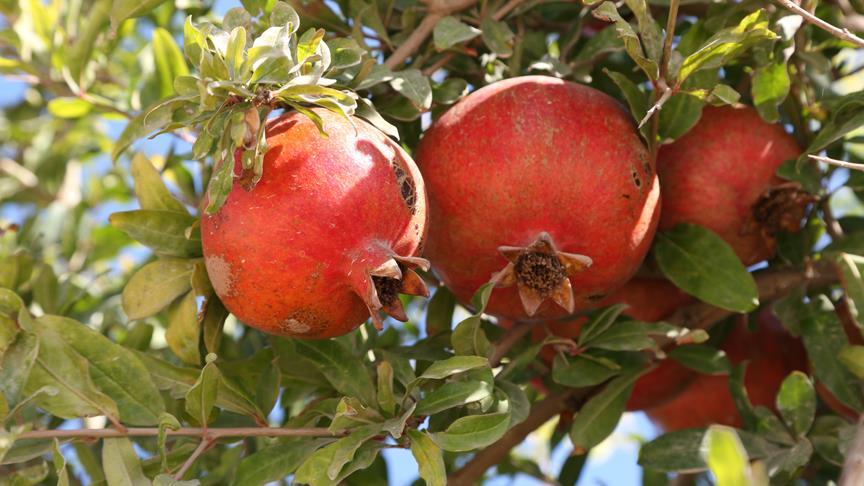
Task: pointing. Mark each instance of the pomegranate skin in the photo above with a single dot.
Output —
(648, 300)
(530, 155)
(773, 354)
(293, 255)
(713, 175)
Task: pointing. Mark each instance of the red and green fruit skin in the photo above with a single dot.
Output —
(648, 300)
(286, 256)
(534, 154)
(772, 354)
(714, 174)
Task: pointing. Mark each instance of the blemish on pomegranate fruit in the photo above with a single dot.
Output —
(294, 326)
(635, 176)
(540, 271)
(407, 189)
(596, 297)
(219, 271)
(780, 208)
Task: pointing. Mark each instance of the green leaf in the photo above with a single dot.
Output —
(517, 401)
(429, 458)
(367, 111)
(386, 400)
(601, 413)
(853, 358)
(126, 9)
(313, 471)
(346, 373)
(167, 480)
(472, 432)
(796, 402)
(847, 114)
(724, 453)
(169, 61)
(69, 107)
(59, 465)
(166, 422)
(599, 323)
(702, 358)
(121, 464)
(439, 313)
(15, 365)
(826, 435)
(267, 391)
(115, 370)
(727, 44)
(58, 365)
(649, 32)
(447, 93)
(769, 88)
(703, 265)
(497, 36)
(637, 99)
(10, 302)
(608, 12)
(150, 189)
(824, 339)
(468, 337)
(184, 330)
(449, 31)
(674, 451)
(630, 336)
(453, 394)
(851, 267)
(346, 447)
(454, 365)
(580, 371)
(161, 231)
(202, 396)
(276, 461)
(155, 286)
(808, 175)
(413, 85)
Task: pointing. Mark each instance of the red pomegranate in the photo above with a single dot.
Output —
(773, 354)
(327, 237)
(543, 184)
(648, 300)
(721, 175)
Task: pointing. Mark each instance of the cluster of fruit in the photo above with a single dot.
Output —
(541, 185)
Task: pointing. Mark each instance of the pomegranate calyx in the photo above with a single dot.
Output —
(541, 272)
(781, 207)
(382, 285)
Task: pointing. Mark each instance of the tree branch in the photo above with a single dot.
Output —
(667, 41)
(511, 337)
(205, 444)
(438, 9)
(837, 32)
(853, 466)
(838, 163)
(771, 285)
(213, 433)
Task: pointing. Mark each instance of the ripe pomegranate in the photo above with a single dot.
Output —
(328, 237)
(649, 300)
(544, 184)
(721, 175)
(773, 354)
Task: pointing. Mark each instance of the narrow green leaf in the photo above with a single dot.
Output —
(453, 394)
(345, 372)
(126, 9)
(276, 461)
(724, 453)
(184, 331)
(703, 265)
(413, 85)
(450, 31)
(497, 36)
(769, 88)
(386, 400)
(472, 432)
(161, 231)
(599, 416)
(429, 458)
(796, 402)
(702, 358)
(580, 371)
(155, 286)
(454, 365)
(346, 447)
(59, 465)
(150, 188)
(69, 107)
(599, 323)
(121, 464)
(853, 358)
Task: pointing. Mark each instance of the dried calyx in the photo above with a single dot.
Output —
(541, 272)
(395, 276)
(779, 208)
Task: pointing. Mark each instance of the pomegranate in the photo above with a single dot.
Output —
(648, 300)
(328, 237)
(773, 354)
(721, 175)
(544, 184)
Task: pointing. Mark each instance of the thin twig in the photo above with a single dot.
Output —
(840, 33)
(414, 41)
(511, 337)
(835, 231)
(667, 43)
(667, 93)
(853, 466)
(214, 433)
(205, 444)
(838, 163)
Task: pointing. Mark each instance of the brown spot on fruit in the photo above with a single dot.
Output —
(294, 327)
(407, 189)
(219, 271)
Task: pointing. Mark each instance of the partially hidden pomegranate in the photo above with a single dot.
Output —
(721, 175)
(648, 300)
(327, 238)
(772, 354)
(544, 184)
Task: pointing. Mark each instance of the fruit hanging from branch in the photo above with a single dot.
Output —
(772, 354)
(328, 237)
(722, 175)
(543, 184)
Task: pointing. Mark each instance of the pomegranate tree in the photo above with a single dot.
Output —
(722, 175)
(772, 354)
(327, 238)
(542, 185)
